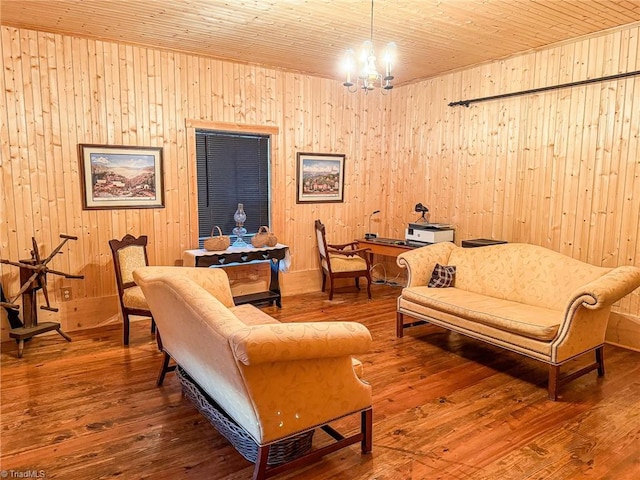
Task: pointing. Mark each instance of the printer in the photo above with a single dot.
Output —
(420, 234)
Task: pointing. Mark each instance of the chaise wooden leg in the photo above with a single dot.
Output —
(331, 288)
(324, 281)
(366, 427)
(159, 340)
(600, 361)
(554, 375)
(260, 470)
(399, 325)
(165, 368)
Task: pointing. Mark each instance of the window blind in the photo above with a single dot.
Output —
(232, 168)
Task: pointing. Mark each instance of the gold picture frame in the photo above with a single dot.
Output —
(120, 176)
(320, 178)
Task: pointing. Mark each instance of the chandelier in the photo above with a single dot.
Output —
(368, 77)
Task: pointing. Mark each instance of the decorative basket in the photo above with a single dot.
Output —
(263, 238)
(280, 452)
(215, 244)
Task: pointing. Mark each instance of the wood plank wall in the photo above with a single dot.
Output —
(559, 169)
(58, 91)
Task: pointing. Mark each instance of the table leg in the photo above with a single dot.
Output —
(274, 285)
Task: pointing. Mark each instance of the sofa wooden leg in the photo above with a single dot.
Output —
(260, 470)
(600, 361)
(554, 374)
(399, 324)
(366, 427)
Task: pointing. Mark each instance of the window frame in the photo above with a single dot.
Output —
(191, 127)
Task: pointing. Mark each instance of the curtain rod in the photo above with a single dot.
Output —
(466, 103)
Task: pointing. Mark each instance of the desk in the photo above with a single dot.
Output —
(385, 246)
(245, 255)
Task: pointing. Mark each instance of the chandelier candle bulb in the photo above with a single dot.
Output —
(348, 66)
(389, 57)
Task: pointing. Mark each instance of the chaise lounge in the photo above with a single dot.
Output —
(266, 386)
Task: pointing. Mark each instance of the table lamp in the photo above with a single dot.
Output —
(369, 236)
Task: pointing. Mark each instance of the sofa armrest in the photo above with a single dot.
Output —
(420, 261)
(609, 288)
(298, 341)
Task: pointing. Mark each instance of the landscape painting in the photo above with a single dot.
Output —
(121, 176)
(320, 178)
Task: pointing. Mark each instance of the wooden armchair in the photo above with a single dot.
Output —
(129, 254)
(342, 261)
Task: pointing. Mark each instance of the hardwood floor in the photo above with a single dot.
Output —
(445, 407)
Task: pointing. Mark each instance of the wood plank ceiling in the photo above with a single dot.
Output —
(310, 36)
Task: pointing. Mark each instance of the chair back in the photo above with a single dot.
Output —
(322, 244)
(128, 254)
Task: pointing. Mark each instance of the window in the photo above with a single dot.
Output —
(232, 168)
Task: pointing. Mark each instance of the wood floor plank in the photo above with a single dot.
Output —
(445, 407)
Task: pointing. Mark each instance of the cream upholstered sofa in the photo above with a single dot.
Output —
(525, 298)
(276, 381)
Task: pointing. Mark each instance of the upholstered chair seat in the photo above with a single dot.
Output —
(133, 298)
(340, 263)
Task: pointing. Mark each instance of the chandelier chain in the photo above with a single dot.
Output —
(371, 33)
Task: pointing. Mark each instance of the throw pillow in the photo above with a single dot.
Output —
(442, 276)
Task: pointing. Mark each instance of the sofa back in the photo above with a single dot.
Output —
(195, 328)
(522, 273)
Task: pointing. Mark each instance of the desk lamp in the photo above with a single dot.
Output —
(421, 208)
(369, 236)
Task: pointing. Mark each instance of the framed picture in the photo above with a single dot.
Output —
(320, 178)
(121, 176)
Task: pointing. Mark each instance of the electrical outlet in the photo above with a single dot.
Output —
(66, 294)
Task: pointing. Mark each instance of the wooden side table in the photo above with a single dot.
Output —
(239, 256)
